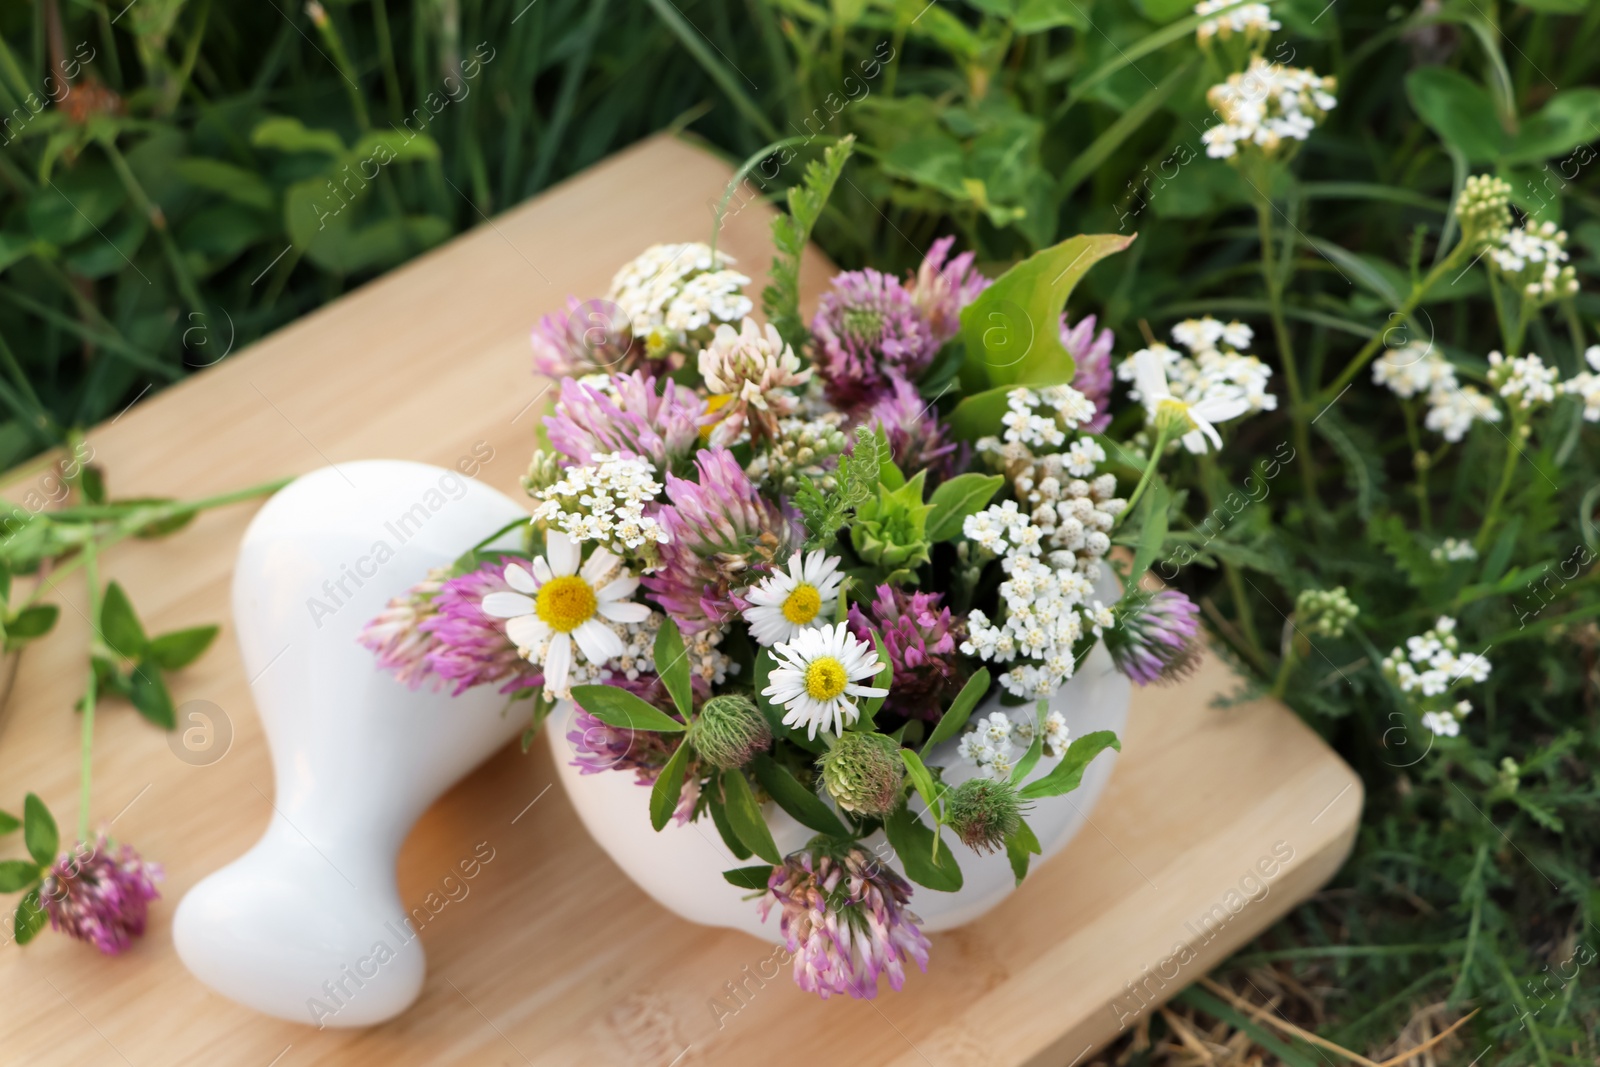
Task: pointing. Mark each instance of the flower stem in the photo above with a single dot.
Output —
(85, 774)
(1513, 451)
(1291, 372)
(1370, 349)
(1149, 471)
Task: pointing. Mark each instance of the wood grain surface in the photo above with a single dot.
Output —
(552, 956)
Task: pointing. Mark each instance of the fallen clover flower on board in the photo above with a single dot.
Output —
(839, 569)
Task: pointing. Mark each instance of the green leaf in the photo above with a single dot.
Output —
(916, 847)
(30, 624)
(857, 477)
(93, 484)
(1030, 758)
(291, 135)
(14, 874)
(801, 803)
(1459, 110)
(1020, 844)
(1012, 331)
(620, 708)
(1152, 528)
(781, 298)
(719, 819)
(149, 694)
(180, 648)
(119, 626)
(8, 822)
(665, 793)
(39, 832)
(921, 779)
(1568, 120)
(238, 184)
(383, 147)
(1067, 774)
(745, 816)
(30, 917)
(955, 717)
(954, 500)
(672, 666)
(749, 877)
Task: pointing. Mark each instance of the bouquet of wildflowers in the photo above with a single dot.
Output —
(786, 562)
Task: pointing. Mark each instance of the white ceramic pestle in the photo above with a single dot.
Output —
(308, 925)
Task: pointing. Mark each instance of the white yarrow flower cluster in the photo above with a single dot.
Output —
(1430, 668)
(1419, 369)
(672, 290)
(1265, 106)
(1253, 22)
(1586, 385)
(1453, 550)
(1524, 381)
(1531, 258)
(603, 501)
(1414, 369)
(1047, 603)
(1043, 418)
(994, 743)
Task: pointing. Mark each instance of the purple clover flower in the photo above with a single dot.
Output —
(846, 922)
(942, 288)
(99, 895)
(1157, 639)
(918, 438)
(590, 337)
(921, 639)
(723, 533)
(660, 426)
(396, 635)
(1091, 353)
(866, 326)
(468, 647)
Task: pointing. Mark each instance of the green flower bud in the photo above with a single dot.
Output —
(890, 532)
(984, 812)
(863, 772)
(543, 471)
(1325, 612)
(1483, 209)
(730, 731)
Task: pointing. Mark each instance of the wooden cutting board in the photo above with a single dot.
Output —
(1215, 823)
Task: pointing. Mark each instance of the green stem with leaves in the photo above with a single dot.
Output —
(1291, 372)
(85, 774)
(1507, 470)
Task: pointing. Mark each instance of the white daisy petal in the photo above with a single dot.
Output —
(518, 578)
(624, 611)
(508, 605)
(599, 564)
(562, 553)
(617, 589)
(558, 663)
(598, 642)
(527, 632)
(541, 570)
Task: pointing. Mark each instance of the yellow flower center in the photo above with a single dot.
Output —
(802, 605)
(1174, 415)
(566, 603)
(714, 404)
(825, 678)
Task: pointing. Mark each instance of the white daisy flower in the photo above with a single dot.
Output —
(559, 604)
(817, 676)
(783, 604)
(1150, 374)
